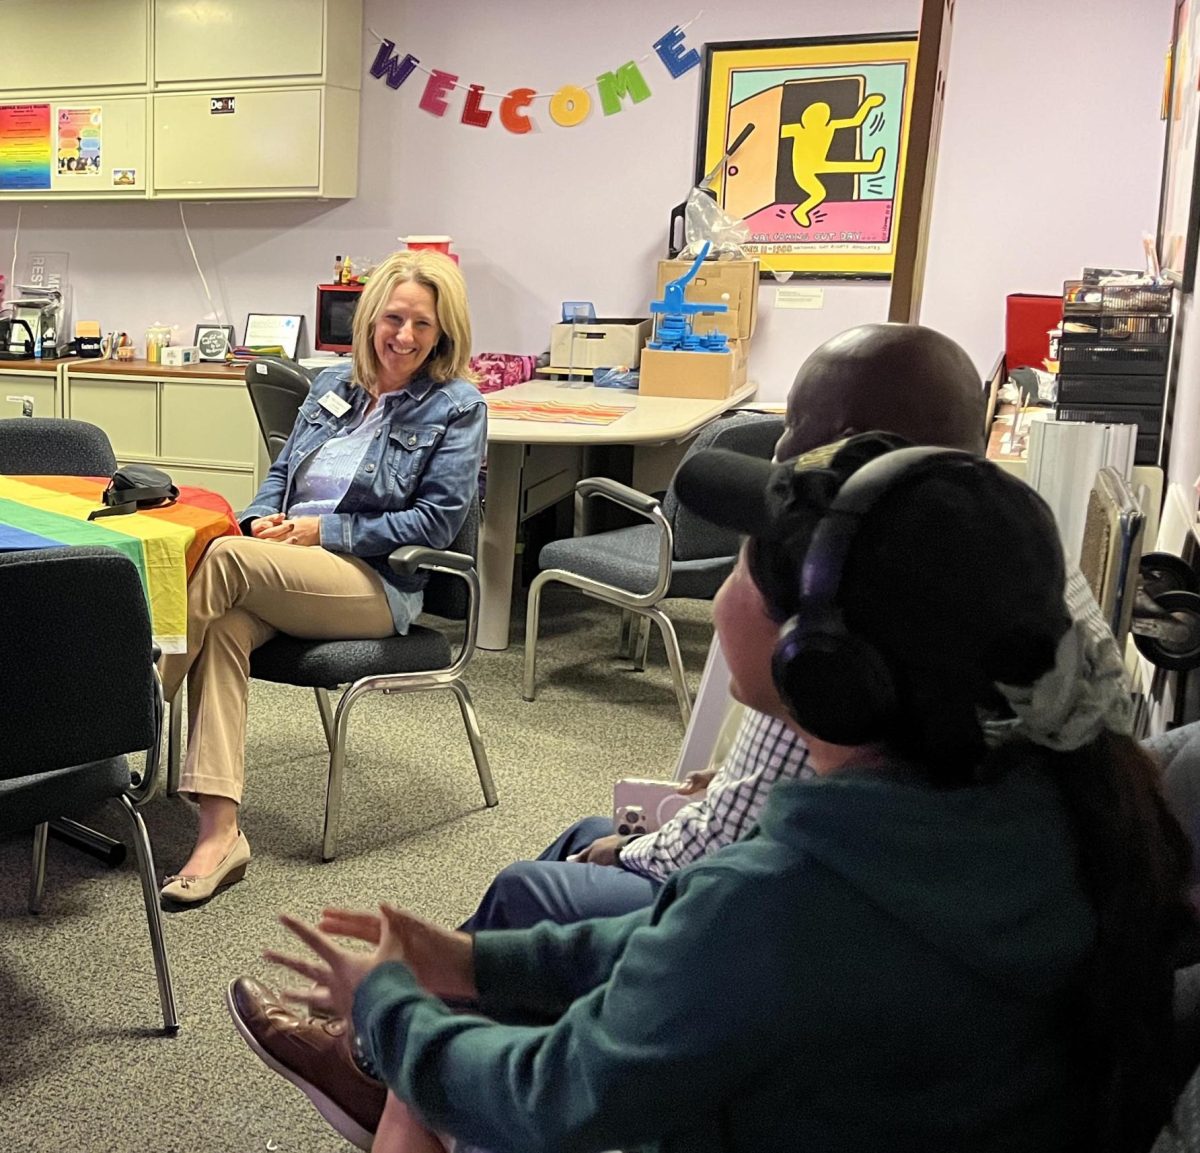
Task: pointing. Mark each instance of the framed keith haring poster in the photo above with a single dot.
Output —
(818, 173)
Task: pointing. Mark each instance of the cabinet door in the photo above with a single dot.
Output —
(270, 139)
(39, 387)
(126, 409)
(210, 423)
(61, 44)
(233, 40)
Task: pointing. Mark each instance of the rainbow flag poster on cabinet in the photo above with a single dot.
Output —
(25, 147)
(164, 543)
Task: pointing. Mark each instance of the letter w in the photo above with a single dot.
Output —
(398, 71)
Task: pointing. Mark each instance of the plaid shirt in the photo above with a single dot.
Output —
(767, 750)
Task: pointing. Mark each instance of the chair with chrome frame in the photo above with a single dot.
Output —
(678, 554)
(419, 661)
(82, 694)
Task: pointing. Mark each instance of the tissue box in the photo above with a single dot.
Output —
(177, 355)
(599, 342)
(701, 375)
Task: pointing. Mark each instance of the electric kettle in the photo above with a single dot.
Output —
(14, 346)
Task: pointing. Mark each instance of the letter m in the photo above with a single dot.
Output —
(626, 81)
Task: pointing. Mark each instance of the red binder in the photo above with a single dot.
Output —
(1027, 321)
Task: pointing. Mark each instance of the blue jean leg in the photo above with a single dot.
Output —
(555, 889)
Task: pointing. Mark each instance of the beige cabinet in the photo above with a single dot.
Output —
(53, 46)
(219, 99)
(263, 142)
(201, 430)
(234, 40)
(41, 387)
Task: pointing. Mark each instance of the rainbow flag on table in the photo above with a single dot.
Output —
(164, 543)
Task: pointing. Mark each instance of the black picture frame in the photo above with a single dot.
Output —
(755, 94)
(1178, 203)
(203, 340)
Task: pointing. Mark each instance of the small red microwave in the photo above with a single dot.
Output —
(335, 316)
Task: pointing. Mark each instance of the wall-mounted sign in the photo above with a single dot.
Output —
(221, 105)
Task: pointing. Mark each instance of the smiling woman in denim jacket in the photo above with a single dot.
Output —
(385, 452)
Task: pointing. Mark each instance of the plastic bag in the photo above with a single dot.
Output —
(705, 220)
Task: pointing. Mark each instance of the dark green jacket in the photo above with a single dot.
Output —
(878, 967)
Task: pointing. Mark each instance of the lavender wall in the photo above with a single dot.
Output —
(1050, 159)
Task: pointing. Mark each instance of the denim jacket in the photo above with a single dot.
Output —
(414, 485)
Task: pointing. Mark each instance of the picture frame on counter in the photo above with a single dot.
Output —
(213, 340)
(269, 330)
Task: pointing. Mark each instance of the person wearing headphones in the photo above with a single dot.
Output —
(942, 940)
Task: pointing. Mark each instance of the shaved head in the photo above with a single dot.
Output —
(899, 378)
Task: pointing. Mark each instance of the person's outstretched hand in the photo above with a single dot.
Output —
(441, 960)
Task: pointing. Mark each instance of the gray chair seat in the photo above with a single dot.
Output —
(288, 660)
(628, 557)
(71, 792)
(676, 554)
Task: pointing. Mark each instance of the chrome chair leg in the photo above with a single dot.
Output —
(675, 661)
(326, 710)
(471, 722)
(533, 608)
(338, 731)
(625, 641)
(174, 737)
(145, 862)
(643, 644)
(37, 881)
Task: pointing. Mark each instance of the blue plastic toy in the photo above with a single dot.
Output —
(673, 329)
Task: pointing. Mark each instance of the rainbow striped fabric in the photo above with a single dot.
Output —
(555, 411)
(164, 543)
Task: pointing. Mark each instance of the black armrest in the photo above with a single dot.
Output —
(407, 559)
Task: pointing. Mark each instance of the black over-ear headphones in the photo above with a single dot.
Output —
(837, 686)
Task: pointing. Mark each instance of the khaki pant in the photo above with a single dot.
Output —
(242, 593)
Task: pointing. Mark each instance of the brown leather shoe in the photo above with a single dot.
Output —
(313, 1053)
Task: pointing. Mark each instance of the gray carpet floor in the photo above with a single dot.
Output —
(85, 1066)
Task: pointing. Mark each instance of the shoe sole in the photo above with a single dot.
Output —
(345, 1125)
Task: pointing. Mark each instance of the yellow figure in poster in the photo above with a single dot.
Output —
(811, 140)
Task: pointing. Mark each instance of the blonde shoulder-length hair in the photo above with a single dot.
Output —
(452, 355)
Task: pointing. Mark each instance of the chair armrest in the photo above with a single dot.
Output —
(155, 653)
(618, 493)
(410, 557)
(407, 559)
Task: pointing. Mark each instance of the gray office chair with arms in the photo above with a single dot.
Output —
(678, 554)
(420, 661)
(81, 694)
(277, 390)
(47, 446)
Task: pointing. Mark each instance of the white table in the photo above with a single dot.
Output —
(651, 420)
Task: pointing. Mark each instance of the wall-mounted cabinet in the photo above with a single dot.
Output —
(225, 99)
(61, 45)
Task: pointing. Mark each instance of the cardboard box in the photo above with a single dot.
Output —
(715, 278)
(703, 375)
(606, 343)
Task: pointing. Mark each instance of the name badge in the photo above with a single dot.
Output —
(333, 403)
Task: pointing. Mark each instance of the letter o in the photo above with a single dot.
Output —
(570, 105)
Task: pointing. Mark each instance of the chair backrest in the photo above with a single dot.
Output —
(752, 433)
(44, 445)
(1112, 549)
(76, 648)
(277, 390)
(446, 596)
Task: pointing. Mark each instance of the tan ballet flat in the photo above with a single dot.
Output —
(181, 889)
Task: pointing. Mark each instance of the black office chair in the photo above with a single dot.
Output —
(277, 390)
(44, 445)
(678, 554)
(417, 662)
(81, 693)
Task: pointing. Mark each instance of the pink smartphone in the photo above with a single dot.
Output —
(641, 806)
